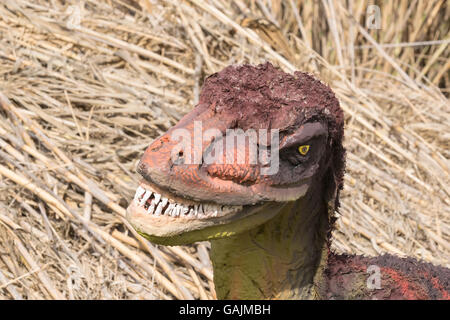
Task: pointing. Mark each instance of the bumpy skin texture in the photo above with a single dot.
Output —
(292, 254)
(346, 277)
(248, 97)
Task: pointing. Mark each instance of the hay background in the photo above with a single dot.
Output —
(81, 103)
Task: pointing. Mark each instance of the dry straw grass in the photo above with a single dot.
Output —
(79, 104)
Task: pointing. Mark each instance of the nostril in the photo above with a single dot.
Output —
(180, 159)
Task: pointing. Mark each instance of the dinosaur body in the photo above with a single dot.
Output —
(346, 277)
(257, 168)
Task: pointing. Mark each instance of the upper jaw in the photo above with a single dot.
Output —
(192, 183)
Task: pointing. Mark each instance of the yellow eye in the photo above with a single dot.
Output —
(303, 149)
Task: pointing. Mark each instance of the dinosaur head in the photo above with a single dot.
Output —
(257, 140)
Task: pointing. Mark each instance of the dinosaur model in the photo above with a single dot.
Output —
(269, 229)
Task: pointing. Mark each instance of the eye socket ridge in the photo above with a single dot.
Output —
(304, 135)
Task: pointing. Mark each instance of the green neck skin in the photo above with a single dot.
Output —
(281, 259)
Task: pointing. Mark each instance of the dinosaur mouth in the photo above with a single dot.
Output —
(157, 205)
(165, 218)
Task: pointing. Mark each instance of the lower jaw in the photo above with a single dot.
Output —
(186, 232)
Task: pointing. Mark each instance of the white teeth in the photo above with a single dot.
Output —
(144, 199)
(151, 208)
(159, 202)
(139, 192)
(177, 210)
(157, 198)
(169, 210)
(159, 209)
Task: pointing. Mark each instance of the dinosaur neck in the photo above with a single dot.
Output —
(281, 259)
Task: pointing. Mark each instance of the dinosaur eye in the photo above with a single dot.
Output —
(303, 150)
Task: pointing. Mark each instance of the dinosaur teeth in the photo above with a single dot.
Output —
(159, 209)
(139, 192)
(169, 209)
(146, 196)
(196, 212)
(174, 210)
(157, 198)
(151, 208)
(159, 205)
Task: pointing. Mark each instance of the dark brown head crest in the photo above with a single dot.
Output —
(263, 96)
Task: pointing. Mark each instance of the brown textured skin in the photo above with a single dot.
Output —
(248, 97)
(253, 97)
